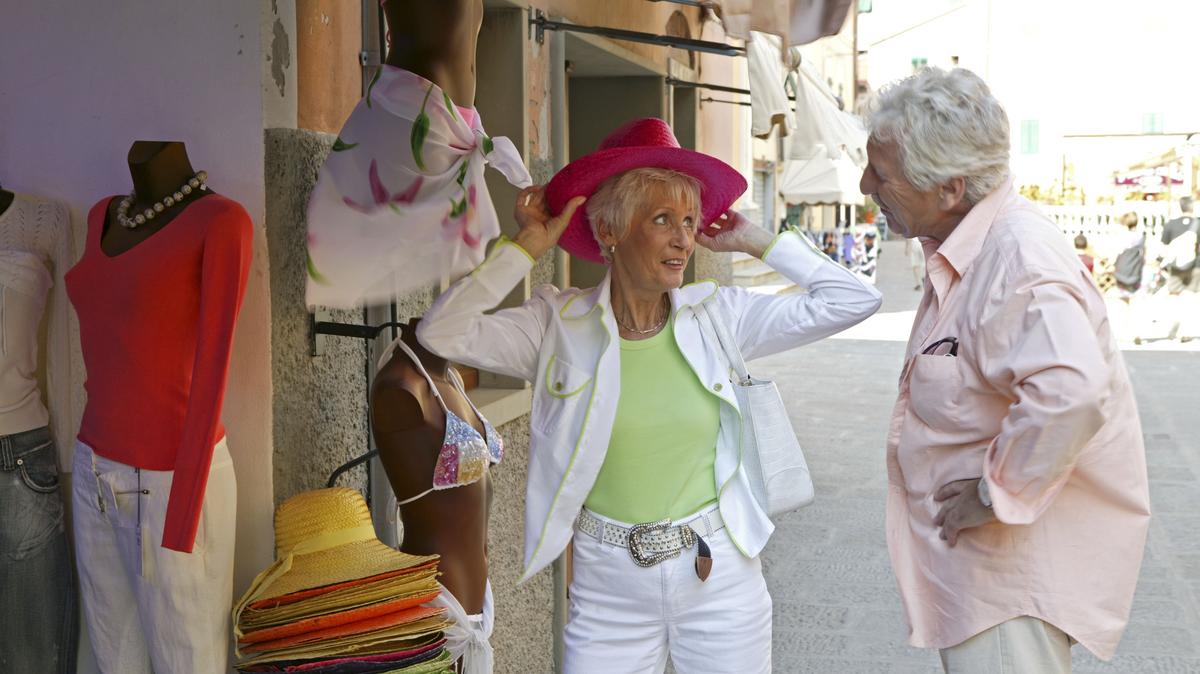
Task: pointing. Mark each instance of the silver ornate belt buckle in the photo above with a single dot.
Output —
(644, 558)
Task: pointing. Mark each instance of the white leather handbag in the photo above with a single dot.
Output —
(771, 453)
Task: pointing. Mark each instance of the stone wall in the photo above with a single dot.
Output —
(319, 402)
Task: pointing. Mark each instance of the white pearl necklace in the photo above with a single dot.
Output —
(196, 182)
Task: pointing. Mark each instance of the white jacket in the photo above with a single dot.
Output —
(565, 342)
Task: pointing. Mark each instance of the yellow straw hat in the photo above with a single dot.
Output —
(323, 537)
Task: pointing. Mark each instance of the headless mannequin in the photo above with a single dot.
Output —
(408, 426)
(158, 168)
(436, 40)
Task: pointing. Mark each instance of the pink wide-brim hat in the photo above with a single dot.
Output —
(642, 143)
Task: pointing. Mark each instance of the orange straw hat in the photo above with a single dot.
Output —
(323, 537)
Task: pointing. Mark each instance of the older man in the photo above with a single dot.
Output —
(1017, 501)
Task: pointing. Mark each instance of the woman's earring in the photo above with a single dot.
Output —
(612, 250)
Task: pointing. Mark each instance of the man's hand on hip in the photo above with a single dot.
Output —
(961, 509)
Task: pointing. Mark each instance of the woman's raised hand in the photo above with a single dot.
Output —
(539, 230)
(732, 232)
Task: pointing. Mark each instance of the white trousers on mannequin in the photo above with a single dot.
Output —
(147, 608)
(626, 619)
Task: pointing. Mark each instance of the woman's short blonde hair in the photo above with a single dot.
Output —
(620, 198)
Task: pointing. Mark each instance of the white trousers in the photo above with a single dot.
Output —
(626, 619)
(147, 608)
(1022, 645)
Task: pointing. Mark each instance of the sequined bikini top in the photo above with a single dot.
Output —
(465, 455)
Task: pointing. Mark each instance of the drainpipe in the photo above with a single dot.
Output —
(558, 135)
(562, 277)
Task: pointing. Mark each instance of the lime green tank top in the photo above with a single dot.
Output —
(664, 440)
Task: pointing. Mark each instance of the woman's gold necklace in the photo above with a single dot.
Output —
(647, 331)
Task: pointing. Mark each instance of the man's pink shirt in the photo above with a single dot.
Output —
(1039, 403)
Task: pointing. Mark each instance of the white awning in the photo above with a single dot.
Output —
(796, 21)
(821, 180)
(821, 126)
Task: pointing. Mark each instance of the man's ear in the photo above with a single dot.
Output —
(952, 194)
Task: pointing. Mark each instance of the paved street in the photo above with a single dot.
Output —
(836, 604)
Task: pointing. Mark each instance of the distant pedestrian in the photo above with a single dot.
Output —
(1180, 236)
(829, 244)
(1081, 249)
(1130, 262)
(1182, 239)
(916, 261)
(1018, 500)
(867, 257)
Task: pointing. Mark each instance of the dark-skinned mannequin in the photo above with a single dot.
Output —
(158, 168)
(436, 40)
(408, 426)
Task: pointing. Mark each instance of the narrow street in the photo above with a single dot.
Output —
(836, 603)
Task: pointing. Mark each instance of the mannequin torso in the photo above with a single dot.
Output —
(409, 426)
(158, 169)
(436, 40)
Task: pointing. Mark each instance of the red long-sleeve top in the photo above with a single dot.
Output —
(156, 326)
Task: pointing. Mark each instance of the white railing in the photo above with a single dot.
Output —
(1101, 224)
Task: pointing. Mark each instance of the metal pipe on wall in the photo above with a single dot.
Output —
(562, 277)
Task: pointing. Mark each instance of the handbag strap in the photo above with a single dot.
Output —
(717, 329)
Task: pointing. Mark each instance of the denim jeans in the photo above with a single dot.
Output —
(39, 611)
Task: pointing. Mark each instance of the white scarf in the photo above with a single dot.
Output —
(401, 201)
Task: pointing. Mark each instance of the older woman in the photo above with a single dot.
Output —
(635, 427)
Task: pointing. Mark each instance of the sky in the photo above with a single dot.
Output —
(1070, 66)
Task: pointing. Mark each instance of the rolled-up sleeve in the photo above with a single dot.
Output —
(833, 299)
(1039, 349)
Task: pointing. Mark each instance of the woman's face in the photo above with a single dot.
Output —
(660, 241)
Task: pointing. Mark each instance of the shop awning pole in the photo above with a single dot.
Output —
(710, 99)
(684, 84)
(542, 24)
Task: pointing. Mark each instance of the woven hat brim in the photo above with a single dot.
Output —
(344, 563)
(337, 618)
(355, 651)
(428, 647)
(396, 620)
(722, 185)
(400, 576)
(386, 641)
(342, 600)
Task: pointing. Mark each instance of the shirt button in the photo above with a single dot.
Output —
(717, 386)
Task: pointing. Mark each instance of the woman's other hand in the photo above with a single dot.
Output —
(539, 230)
(733, 233)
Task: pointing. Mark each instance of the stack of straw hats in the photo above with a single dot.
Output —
(337, 600)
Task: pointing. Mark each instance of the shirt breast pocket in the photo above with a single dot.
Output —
(936, 389)
(562, 393)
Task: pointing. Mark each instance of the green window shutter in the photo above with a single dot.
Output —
(1029, 136)
(1152, 122)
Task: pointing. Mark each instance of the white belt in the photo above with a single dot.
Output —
(652, 542)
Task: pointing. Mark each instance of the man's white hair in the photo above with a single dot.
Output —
(945, 124)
